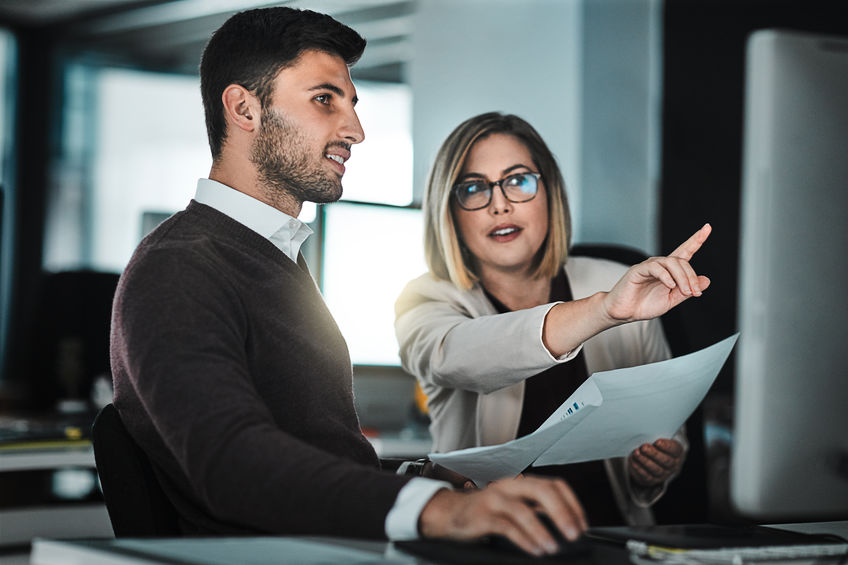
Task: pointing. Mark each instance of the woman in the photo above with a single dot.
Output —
(505, 326)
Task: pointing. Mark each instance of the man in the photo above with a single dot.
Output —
(229, 371)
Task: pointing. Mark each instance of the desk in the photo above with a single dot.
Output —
(301, 550)
(52, 516)
(73, 454)
(250, 551)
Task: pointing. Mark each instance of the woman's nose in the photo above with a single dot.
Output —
(499, 204)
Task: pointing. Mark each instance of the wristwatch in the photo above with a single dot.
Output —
(415, 468)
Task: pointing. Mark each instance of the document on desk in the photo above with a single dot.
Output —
(609, 415)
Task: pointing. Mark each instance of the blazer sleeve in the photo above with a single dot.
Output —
(454, 339)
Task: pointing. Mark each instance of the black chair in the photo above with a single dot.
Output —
(687, 497)
(135, 500)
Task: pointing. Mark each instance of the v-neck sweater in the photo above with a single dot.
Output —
(232, 375)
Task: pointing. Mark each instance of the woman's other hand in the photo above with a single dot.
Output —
(651, 465)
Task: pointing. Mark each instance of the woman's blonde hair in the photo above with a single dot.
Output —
(447, 257)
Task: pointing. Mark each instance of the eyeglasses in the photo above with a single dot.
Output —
(477, 194)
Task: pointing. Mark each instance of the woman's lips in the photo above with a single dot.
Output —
(503, 234)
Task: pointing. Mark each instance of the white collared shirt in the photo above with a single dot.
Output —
(285, 232)
(288, 234)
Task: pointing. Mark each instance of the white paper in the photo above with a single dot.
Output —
(609, 415)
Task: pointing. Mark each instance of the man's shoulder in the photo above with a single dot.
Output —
(181, 250)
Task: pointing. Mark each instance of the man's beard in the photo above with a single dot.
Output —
(285, 166)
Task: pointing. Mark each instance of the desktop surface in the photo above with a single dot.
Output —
(301, 550)
(306, 550)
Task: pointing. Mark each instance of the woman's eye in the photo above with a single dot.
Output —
(514, 180)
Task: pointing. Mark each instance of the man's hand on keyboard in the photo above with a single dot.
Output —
(507, 508)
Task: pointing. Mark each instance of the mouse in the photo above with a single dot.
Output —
(566, 547)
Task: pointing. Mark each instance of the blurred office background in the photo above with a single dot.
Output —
(102, 137)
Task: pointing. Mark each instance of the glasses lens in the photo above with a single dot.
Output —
(473, 195)
(520, 187)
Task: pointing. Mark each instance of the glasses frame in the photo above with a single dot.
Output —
(492, 184)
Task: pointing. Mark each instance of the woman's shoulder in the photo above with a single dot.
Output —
(588, 275)
(429, 288)
(428, 282)
(595, 266)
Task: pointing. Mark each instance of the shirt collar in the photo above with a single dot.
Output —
(285, 232)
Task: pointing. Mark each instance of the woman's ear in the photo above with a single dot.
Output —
(241, 107)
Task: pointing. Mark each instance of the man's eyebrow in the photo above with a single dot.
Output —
(334, 89)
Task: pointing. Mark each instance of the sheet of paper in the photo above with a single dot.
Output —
(488, 463)
(607, 416)
(640, 405)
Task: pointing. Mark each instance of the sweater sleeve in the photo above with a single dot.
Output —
(185, 390)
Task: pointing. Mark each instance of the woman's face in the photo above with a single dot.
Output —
(504, 236)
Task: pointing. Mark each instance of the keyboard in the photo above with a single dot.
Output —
(740, 555)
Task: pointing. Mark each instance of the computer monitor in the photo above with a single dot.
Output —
(790, 445)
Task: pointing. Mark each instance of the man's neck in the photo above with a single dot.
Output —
(243, 177)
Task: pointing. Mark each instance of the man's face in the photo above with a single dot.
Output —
(307, 130)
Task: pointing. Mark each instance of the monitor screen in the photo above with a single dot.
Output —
(790, 446)
(370, 253)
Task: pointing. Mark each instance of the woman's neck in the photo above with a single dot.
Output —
(517, 291)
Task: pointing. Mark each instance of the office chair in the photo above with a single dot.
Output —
(687, 498)
(136, 503)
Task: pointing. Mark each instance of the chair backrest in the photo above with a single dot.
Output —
(135, 501)
(672, 322)
(687, 497)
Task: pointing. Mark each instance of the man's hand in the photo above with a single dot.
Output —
(507, 507)
(657, 285)
(651, 465)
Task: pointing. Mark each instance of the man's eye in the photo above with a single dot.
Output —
(323, 99)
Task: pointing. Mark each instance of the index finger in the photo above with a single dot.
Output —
(564, 510)
(689, 247)
(553, 497)
(669, 446)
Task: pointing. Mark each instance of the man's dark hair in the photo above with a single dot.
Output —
(252, 47)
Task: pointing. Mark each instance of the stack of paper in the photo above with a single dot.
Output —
(611, 414)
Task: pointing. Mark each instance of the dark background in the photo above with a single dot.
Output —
(703, 96)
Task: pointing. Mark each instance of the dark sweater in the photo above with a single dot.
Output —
(232, 376)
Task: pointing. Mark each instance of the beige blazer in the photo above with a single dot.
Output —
(472, 364)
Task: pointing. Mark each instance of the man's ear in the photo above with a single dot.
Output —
(241, 107)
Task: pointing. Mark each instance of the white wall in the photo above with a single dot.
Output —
(475, 56)
(620, 122)
(585, 73)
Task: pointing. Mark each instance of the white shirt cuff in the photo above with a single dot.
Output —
(564, 357)
(402, 519)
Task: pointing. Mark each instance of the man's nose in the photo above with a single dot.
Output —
(351, 129)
